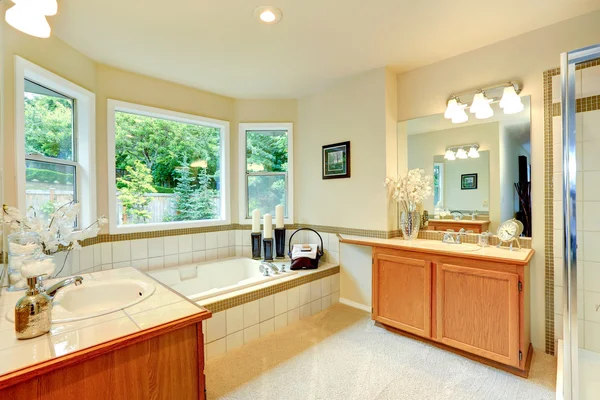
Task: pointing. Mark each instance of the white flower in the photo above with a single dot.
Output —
(412, 189)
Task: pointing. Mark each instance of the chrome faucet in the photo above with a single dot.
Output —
(452, 237)
(268, 268)
(52, 290)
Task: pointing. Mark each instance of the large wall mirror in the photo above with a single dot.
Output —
(481, 167)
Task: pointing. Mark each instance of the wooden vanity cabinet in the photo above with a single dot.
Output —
(474, 307)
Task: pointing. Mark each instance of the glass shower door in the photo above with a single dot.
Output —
(580, 110)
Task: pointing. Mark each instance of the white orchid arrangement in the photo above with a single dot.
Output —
(410, 190)
(57, 230)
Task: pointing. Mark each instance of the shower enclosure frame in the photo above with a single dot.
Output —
(569, 62)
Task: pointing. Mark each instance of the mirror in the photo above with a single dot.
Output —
(481, 168)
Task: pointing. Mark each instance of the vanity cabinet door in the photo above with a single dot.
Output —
(402, 293)
(478, 311)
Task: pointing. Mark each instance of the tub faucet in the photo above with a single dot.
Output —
(52, 290)
(268, 268)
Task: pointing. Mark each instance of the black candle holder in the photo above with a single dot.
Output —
(280, 242)
(268, 243)
(256, 252)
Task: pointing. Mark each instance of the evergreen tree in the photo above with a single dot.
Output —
(132, 193)
(184, 194)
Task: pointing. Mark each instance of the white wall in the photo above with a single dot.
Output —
(353, 110)
(423, 147)
(523, 58)
(456, 198)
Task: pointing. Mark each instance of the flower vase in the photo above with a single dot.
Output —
(410, 221)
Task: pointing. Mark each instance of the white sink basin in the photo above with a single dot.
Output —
(95, 298)
(433, 245)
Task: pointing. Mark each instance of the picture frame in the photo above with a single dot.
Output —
(336, 160)
(468, 182)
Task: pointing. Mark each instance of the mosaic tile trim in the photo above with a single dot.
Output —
(471, 238)
(104, 238)
(268, 291)
(584, 104)
(549, 211)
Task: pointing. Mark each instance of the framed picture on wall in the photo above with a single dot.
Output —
(468, 181)
(336, 160)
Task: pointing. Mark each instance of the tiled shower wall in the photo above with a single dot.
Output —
(588, 207)
(171, 251)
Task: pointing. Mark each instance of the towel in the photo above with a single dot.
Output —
(297, 251)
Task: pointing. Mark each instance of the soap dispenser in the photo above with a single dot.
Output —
(33, 312)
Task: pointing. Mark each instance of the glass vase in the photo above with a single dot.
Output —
(21, 245)
(410, 221)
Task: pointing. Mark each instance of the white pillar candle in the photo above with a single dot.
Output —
(268, 226)
(255, 221)
(279, 216)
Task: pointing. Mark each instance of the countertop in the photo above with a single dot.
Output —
(503, 254)
(160, 310)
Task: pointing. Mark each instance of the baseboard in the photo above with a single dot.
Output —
(355, 305)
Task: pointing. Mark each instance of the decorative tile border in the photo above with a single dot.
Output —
(264, 292)
(549, 110)
(585, 104)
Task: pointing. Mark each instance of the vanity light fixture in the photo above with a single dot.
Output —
(268, 14)
(510, 102)
(459, 152)
(29, 16)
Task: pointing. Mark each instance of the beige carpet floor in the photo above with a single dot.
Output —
(340, 354)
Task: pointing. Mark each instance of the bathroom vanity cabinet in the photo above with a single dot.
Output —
(475, 303)
(475, 306)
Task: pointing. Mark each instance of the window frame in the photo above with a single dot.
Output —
(243, 175)
(84, 136)
(139, 109)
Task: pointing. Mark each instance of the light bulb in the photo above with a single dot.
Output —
(473, 153)
(28, 19)
(451, 108)
(460, 115)
(461, 154)
(449, 155)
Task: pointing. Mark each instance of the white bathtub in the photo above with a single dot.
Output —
(203, 280)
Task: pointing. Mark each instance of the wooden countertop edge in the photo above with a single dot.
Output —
(439, 252)
(24, 374)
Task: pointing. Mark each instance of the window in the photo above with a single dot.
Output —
(54, 125)
(266, 165)
(167, 170)
(438, 185)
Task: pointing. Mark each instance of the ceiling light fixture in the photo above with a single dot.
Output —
(268, 14)
(29, 16)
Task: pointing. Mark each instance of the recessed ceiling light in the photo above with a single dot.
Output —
(268, 14)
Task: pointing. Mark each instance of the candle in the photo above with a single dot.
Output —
(255, 221)
(268, 226)
(279, 216)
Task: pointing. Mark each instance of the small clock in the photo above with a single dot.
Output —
(509, 232)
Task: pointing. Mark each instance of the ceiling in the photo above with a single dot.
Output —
(219, 47)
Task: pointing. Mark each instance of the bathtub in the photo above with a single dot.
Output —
(204, 280)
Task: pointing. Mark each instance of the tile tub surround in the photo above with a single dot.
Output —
(153, 253)
(162, 307)
(231, 328)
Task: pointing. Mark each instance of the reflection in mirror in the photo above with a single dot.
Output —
(480, 168)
